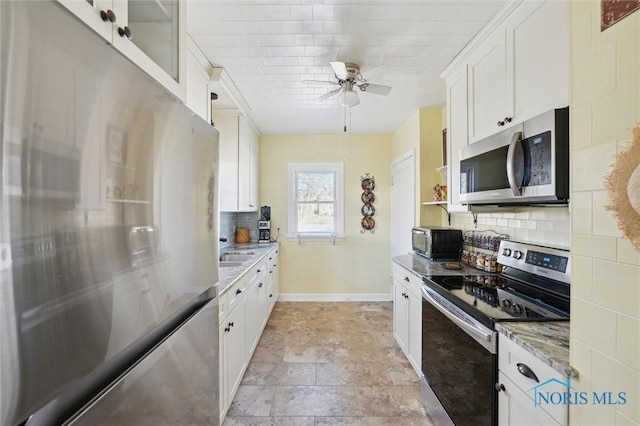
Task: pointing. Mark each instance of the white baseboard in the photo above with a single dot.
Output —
(356, 297)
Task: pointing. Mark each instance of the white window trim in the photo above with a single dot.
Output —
(292, 231)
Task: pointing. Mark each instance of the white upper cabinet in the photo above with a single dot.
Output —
(238, 164)
(539, 57)
(151, 33)
(456, 135)
(198, 96)
(247, 168)
(488, 104)
(520, 69)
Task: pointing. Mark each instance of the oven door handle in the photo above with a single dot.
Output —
(470, 329)
(511, 164)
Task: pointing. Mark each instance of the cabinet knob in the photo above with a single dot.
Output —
(406, 296)
(108, 16)
(271, 295)
(230, 324)
(406, 279)
(258, 271)
(500, 123)
(125, 32)
(508, 119)
(250, 205)
(227, 329)
(238, 291)
(260, 285)
(500, 387)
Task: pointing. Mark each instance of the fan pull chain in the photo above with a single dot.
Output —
(345, 120)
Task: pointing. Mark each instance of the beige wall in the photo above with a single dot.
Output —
(430, 160)
(422, 135)
(605, 304)
(359, 265)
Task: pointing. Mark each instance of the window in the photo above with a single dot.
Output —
(315, 200)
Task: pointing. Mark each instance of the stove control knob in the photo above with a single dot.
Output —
(517, 308)
(506, 303)
(517, 254)
(506, 252)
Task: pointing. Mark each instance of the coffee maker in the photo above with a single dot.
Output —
(264, 225)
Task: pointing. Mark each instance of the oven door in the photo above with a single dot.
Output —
(459, 365)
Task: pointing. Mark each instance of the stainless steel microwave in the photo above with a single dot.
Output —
(525, 164)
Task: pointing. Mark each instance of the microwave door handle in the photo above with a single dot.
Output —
(511, 164)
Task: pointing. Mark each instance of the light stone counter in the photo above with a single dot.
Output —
(548, 341)
(422, 266)
(229, 274)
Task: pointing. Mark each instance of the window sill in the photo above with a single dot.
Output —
(318, 237)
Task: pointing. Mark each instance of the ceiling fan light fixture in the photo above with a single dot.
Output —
(348, 97)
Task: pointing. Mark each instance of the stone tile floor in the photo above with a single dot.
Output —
(328, 363)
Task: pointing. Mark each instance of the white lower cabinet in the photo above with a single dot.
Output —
(528, 388)
(234, 352)
(243, 313)
(407, 314)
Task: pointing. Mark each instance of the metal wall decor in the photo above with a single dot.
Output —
(368, 184)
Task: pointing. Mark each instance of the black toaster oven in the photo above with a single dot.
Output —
(437, 243)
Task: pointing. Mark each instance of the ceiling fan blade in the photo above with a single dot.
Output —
(375, 73)
(340, 69)
(376, 89)
(320, 83)
(327, 95)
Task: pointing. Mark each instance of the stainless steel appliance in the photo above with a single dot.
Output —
(459, 343)
(108, 249)
(525, 164)
(437, 242)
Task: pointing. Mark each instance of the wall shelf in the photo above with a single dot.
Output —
(443, 206)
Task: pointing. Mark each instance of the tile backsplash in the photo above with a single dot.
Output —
(229, 221)
(547, 226)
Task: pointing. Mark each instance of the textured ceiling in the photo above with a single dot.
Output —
(269, 47)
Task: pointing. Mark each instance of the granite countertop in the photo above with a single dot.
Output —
(548, 341)
(229, 274)
(424, 267)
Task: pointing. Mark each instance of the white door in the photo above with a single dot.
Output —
(403, 204)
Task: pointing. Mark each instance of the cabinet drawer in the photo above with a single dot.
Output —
(409, 279)
(510, 354)
(257, 269)
(236, 293)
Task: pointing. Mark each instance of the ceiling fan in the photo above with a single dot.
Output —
(348, 79)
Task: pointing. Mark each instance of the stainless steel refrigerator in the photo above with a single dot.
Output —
(108, 239)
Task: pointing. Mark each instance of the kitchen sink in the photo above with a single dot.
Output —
(228, 263)
(236, 257)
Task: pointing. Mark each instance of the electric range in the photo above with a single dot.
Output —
(459, 342)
